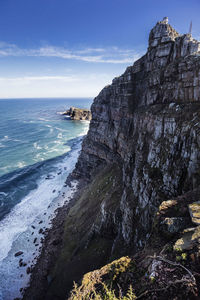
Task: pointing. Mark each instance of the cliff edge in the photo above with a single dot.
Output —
(148, 120)
(142, 148)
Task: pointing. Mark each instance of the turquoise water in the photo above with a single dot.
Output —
(38, 149)
(32, 130)
(33, 137)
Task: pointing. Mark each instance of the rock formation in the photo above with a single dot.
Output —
(142, 148)
(78, 114)
(167, 268)
(148, 120)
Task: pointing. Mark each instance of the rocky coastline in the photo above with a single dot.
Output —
(51, 248)
(78, 114)
(133, 220)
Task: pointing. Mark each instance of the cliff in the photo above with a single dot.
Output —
(78, 114)
(148, 120)
(167, 267)
(142, 148)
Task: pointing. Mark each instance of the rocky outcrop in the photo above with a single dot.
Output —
(148, 120)
(194, 209)
(78, 114)
(167, 267)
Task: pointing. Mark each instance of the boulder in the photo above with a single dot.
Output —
(194, 210)
(18, 253)
(189, 240)
(173, 225)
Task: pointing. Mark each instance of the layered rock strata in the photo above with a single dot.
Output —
(167, 268)
(148, 120)
(142, 148)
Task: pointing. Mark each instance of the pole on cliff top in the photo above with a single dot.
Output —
(190, 29)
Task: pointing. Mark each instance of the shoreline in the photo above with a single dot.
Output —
(40, 188)
(28, 245)
(51, 247)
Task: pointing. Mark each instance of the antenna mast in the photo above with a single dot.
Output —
(190, 29)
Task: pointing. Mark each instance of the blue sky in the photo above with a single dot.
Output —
(73, 48)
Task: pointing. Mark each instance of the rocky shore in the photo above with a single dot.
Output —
(134, 220)
(52, 245)
(78, 114)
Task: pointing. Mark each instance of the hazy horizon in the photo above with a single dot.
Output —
(32, 98)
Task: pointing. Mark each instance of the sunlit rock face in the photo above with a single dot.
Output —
(148, 119)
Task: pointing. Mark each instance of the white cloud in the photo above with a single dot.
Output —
(38, 78)
(113, 55)
(76, 84)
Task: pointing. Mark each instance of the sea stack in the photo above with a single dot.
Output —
(78, 114)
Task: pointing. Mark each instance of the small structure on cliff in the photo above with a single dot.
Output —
(78, 114)
(190, 29)
(165, 20)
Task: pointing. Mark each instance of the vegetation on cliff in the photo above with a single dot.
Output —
(162, 270)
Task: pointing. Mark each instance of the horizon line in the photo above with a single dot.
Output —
(67, 97)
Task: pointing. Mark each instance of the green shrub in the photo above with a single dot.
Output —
(105, 294)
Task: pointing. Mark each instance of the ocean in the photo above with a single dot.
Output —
(39, 147)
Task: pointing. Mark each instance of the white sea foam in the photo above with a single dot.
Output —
(16, 228)
(43, 119)
(50, 128)
(7, 138)
(60, 112)
(28, 122)
(60, 136)
(4, 194)
(35, 145)
(85, 128)
(21, 164)
(4, 139)
(38, 157)
(60, 129)
(4, 168)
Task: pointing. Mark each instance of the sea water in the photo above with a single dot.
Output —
(39, 147)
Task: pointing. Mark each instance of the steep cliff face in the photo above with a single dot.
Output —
(148, 120)
(142, 148)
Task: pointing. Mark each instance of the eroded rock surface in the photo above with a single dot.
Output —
(142, 148)
(164, 269)
(78, 114)
(194, 210)
(189, 239)
(148, 120)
